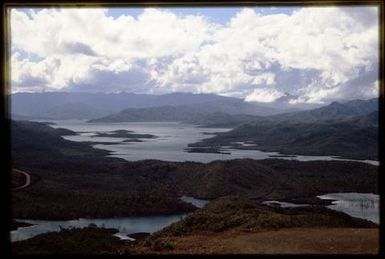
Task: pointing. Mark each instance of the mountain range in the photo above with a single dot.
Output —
(348, 130)
(205, 114)
(231, 113)
(333, 112)
(62, 105)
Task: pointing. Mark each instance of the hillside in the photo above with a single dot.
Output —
(232, 224)
(349, 130)
(72, 180)
(345, 139)
(333, 112)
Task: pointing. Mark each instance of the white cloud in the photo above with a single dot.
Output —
(318, 54)
(265, 78)
(265, 95)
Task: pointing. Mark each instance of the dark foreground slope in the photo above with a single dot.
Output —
(71, 180)
(252, 229)
(231, 224)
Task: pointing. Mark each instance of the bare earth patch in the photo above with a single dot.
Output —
(283, 241)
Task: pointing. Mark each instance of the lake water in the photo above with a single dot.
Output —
(196, 202)
(125, 226)
(359, 205)
(172, 140)
(283, 204)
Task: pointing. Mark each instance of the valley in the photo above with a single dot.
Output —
(251, 128)
(124, 171)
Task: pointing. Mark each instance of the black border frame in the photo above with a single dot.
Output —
(6, 163)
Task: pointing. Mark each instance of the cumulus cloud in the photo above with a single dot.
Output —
(317, 54)
(264, 95)
(77, 47)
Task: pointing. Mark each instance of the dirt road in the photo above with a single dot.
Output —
(27, 180)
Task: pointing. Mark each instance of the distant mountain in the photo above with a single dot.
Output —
(72, 111)
(61, 105)
(235, 106)
(162, 113)
(333, 112)
(233, 112)
(202, 115)
(224, 120)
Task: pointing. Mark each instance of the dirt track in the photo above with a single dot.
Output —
(27, 180)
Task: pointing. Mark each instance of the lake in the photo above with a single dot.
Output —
(359, 205)
(125, 226)
(169, 145)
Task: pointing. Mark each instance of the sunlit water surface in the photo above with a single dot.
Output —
(172, 138)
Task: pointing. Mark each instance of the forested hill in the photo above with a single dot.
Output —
(356, 137)
(335, 111)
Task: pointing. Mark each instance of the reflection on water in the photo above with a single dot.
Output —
(172, 140)
(359, 205)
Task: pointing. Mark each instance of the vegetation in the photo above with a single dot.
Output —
(237, 213)
(345, 139)
(244, 212)
(349, 130)
(334, 112)
(82, 182)
(90, 240)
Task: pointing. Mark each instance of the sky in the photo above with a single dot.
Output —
(312, 54)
